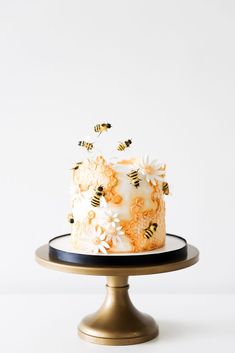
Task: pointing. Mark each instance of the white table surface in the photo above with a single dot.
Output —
(47, 323)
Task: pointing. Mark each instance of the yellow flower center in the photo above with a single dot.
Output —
(109, 219)
(96, 240)
(149, 169)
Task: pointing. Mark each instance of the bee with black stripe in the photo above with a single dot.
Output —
(88, 145)
(135, 180)
(76, 166)
(70, 218)
(123, 145)
(102, 127)
(165, 188)
(95, 201)
(148, 232)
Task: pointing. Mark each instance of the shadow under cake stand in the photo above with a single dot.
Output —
(118, 322)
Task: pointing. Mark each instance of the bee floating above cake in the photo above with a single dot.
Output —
(117, 204)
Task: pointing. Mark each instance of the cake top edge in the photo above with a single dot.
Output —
(116, 157)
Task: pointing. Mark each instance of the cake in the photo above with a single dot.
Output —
(117, 204)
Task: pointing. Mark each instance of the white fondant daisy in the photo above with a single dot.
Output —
(98, 240)
(114, 234)
(109, 218)
(152, 171)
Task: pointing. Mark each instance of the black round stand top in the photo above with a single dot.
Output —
(176, 252)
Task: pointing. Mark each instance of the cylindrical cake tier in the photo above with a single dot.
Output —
(115, 208)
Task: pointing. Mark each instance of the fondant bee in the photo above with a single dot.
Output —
(123, 145)
(70, 218)
(88, 145)
(95, 201)
(165, 188)
(102, 127)
(148, 232)
(135, 180)
(76, 166)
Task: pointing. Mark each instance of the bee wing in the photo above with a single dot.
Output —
(103, 202)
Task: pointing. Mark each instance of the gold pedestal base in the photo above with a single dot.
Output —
(117, 322)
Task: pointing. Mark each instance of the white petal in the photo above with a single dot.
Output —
(155, 162)
(102, 236)
(141, 160)
(153, 180)
(106, 245)
(102, 249)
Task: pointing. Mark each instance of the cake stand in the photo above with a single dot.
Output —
(117, 321)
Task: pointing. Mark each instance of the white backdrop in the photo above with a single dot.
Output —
(159, 71)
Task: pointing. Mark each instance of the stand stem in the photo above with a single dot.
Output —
(117, 281)
(117, 322)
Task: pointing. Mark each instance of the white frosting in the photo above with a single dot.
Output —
(128, 191)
